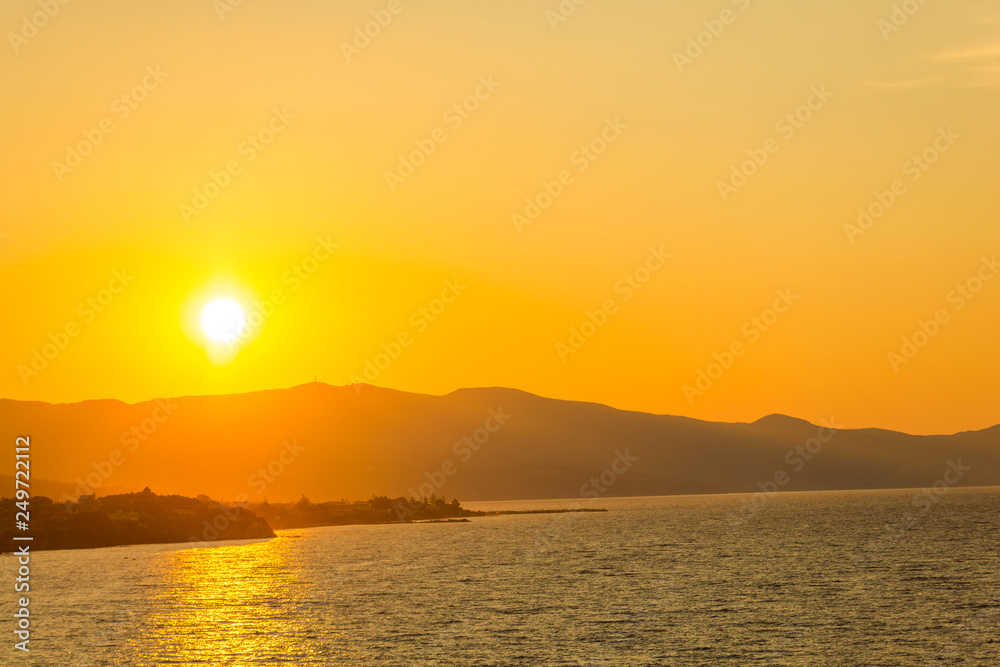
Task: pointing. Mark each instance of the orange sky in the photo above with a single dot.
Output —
(204, 153)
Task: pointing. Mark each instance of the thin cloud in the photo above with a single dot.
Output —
(972, 67)
(983, 53)
(906, 83)
(986, 76)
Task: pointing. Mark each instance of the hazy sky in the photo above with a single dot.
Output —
(614, 122)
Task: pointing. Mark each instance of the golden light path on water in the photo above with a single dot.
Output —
(235, 605)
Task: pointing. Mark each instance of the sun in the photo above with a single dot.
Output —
(222, 317)
(222, 320)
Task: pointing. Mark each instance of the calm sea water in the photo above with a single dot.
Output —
(809, 579)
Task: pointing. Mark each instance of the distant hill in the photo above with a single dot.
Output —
(331, 442)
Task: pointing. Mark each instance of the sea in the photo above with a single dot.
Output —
(901, 577)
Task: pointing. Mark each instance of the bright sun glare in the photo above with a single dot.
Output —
(222, 320)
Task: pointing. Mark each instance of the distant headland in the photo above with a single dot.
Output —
(148, 518)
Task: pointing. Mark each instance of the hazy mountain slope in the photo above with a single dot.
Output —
(356, 441)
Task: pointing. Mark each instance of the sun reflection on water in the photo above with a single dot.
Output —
(237, 605)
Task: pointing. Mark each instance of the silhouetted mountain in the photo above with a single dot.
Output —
(330, 442)
(782, 423)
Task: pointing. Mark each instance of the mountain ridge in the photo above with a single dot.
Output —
(459, 390)
(487, 443)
